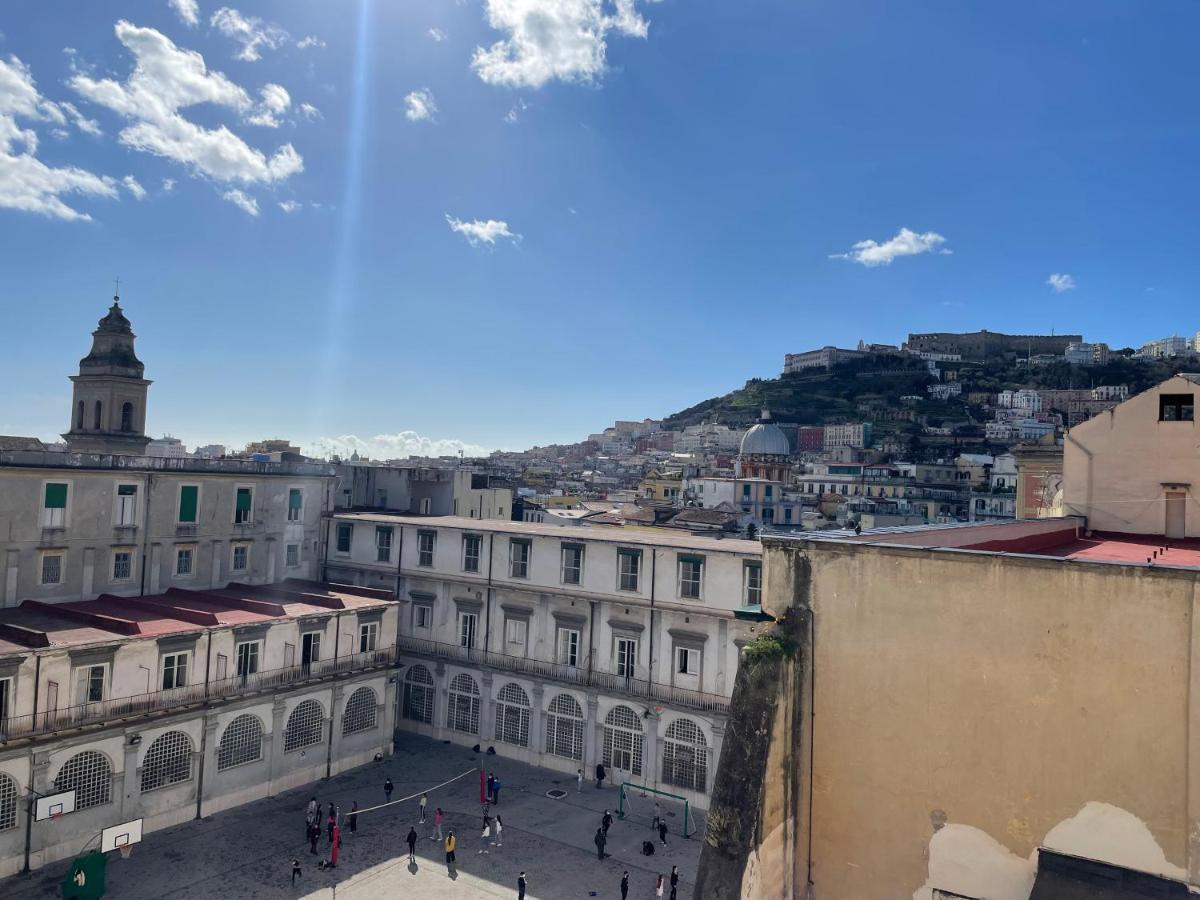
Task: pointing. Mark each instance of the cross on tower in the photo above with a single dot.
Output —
(116, 288)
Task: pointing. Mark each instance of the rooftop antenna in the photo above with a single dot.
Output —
(117, 288)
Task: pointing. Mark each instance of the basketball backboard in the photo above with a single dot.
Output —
(114, 837)
(54, 805)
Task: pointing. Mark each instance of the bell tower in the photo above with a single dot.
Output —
(108, 404)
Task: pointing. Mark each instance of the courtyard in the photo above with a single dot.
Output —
(247, 852)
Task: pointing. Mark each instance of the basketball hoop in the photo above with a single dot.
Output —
(126, 850)
(55, 816)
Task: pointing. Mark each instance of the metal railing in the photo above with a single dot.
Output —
(640, 688)
(233, 687)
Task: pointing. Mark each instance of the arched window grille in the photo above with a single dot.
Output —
(623, 740)
(564, 727)
(685, 756)
(8, 802)
(241, 742)
(359, 714)
(463, 712)
(305, 726)
(89, 774)
(168, 761)
(417, 702)
(512, 715)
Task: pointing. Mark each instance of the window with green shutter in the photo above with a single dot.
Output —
(189, 500)
(241, 510)
(56, 496)
(295, 503)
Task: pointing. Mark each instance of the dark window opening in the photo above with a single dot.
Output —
(79, 417)
(127, 417)
(1176, 407)
(96, 424)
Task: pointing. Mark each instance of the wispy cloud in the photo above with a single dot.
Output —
(1060, 281)
(419, 106)
(401, 445)
(253, 34)
(514, 113)
(187, 10)
(480, 231)
(307, 43)
(242, 201)
(290, 206)
(134, 187)
(905, 243)
(437, 34)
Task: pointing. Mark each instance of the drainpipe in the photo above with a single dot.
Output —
(487, 619)
(650, 660)
(399, 564)
(329, 745)
(146, 534)
(37, 683)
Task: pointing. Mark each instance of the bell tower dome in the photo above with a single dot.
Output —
(108, 404)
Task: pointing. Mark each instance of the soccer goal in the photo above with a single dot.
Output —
(641, 804)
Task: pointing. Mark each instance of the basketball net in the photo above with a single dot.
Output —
(126, 850)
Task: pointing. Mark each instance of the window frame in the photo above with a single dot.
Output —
(627, 667)
(563, 658)
(563, 568)
(368, 637)
(513, 544)
(195, 520)
(467, 539)
(175, 657)
(426, 614)
(48, 517)
(291, 556)
(689, 559)
(425, 554)
(384, 554)
(112, 570)
(249, 511)
(1179, 403)
(349, 534)
(465, 640)
(125, 514)
(180, 550)
(233, 557)
(693, 653)
(751, 571)
(636, 573)
(511, 621)
(256, 645)
(46, 556)
(298, 509)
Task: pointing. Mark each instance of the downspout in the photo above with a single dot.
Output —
(650, 660)
(487, 616)
(146, 534)
(37, 683)
(399, 564)
(337, 637)
(204, 729)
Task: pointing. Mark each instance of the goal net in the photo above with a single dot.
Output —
(647, 806)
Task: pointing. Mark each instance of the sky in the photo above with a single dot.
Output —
(409, 226)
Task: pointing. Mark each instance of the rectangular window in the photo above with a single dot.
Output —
(626, 656)
(691, 577)
(518, 563)
(295, 504)
(516, 631)
(467, 623)
(746, 491)
(174, 671)
(54, 507)
(471, 544)
(184, 559)
(6, 692)
(568, 647)
(310, 648)
(767, 491)
(423, 616)
(1176, 407)
(572, 563)
(345, 534)
(247, 658)
(126, 504)
(426, 540)
(368, 637)
(293, 555)
(122, 569)
(753, 578)
(241, 557)
(383, 543)
(687, 660)
(52, 568)
(90, 684)
(243, 506)
(629, 566)
(189, 503)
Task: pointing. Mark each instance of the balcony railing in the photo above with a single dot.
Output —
(633, 687)
(234, 687)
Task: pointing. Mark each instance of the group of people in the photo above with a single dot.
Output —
(333, 833)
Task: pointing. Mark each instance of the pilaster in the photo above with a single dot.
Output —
(274, 749)
(207, 761)
(89, 573)
(487, 711)
(537, 720)
(441, 697)
(8, 590)
(593, 734)
(127, 783)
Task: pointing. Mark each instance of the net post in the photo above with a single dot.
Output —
(687, 819)
(621, 802)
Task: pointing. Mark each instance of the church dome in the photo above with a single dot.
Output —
(765, 439)
(112, 347)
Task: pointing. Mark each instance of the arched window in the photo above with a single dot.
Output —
(89, 775)
(417, 702)
(685, 756)
(512, 715)
(168, 761)
(564, 727)
(359, 714)
(79, 416)
(463, 712)
(127, 416)
(305, 726)
(241, 742)
(8, 802)
(623, 740)
(96, 421)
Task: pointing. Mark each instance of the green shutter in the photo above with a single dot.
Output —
(294, 498)
(56, 496)
(243, 500)
(188, 496)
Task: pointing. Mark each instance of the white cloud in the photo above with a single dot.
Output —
(89, 126)
(437, 34)
(514, 114)
(167, 79)
(310, 112)
(252, 33)
(134, 187)
(26, 183)
(275, 101)
(290, 206)
(242, 201)
(905, 243)
(480, 231)
(1061, 282)
(552, 39)
(168, 185)
(419, 106)
(311, 41)
(187, 10)
(401, 445)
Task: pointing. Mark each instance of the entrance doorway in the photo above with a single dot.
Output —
(1176, 514)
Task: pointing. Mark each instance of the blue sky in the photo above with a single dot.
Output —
(512, 221)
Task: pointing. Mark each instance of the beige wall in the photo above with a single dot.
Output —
(1003, 694)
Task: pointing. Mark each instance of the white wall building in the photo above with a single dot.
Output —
(1025, 399)
(168, 447)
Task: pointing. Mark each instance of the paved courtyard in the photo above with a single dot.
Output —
(247, 852)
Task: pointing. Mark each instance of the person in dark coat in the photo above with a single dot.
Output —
(521, 885)
(330, 824)
(353, 819)
(600, 775)
(387, 788)
(606, 822)
(599, 840)
(314, 835)
(412, 845)
(496, 791)
(662, 831)
(674, 881)
(295, 870)
(491, 783)
(624, 886)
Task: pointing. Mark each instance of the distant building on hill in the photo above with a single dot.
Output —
(984, 344)
(825, 358)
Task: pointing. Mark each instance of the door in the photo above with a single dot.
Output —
(310, 648)
(1176, 514)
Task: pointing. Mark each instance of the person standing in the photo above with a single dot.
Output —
(312, 814)
(599, 840)
(600, 775)
(521, 885)
(450, 844)
(579, 783)
(314, 835)
(491, 785)
(658, 887)
(412, 844)
(335, 845)
(496, 791)
(674, 881)
(606, 822)
(662, 832)
(486, 837)
(354, 817)
(498, 827)
(657, 816)
(387, 789)
(295, 870)
(424, 802)
(331, 822)
(625, 885)
(437, 825)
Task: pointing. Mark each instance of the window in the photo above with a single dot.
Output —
(189, 503)
(184, 558)
(54, 507)
(127, 417)
(240, 743)
(422, 616)
(52, 568)
(360, 712)
(425, 544)
(512, 715)
(572, 563)
(767, 491)
(97, 417)
(310, 648)
(623, 737)
(467, 623)
(247, 658)
(368, 637)
(1176, 407)
(471, 544)
(568, 647)
(293, 555)
(90, 684)
(168, 761)
(126, 504)
(305, 726)
(79, 417)
(417, 700)
(295, 504)
(243, 505)
(122, 568)
(629, 565)
(462, 713)
(691, 576)
(6, 692)
(626, 656)
(685, 756)
(768, 515)
(345, 534)
(746, 491)
(516, 631)
(383, 543)
(241, 557)
(564, 727)
(687, 660)
(518, 563)
(89, 775)
(174, 671)
(753, 579)
(8, 802)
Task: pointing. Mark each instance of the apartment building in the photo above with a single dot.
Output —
(613, 645)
